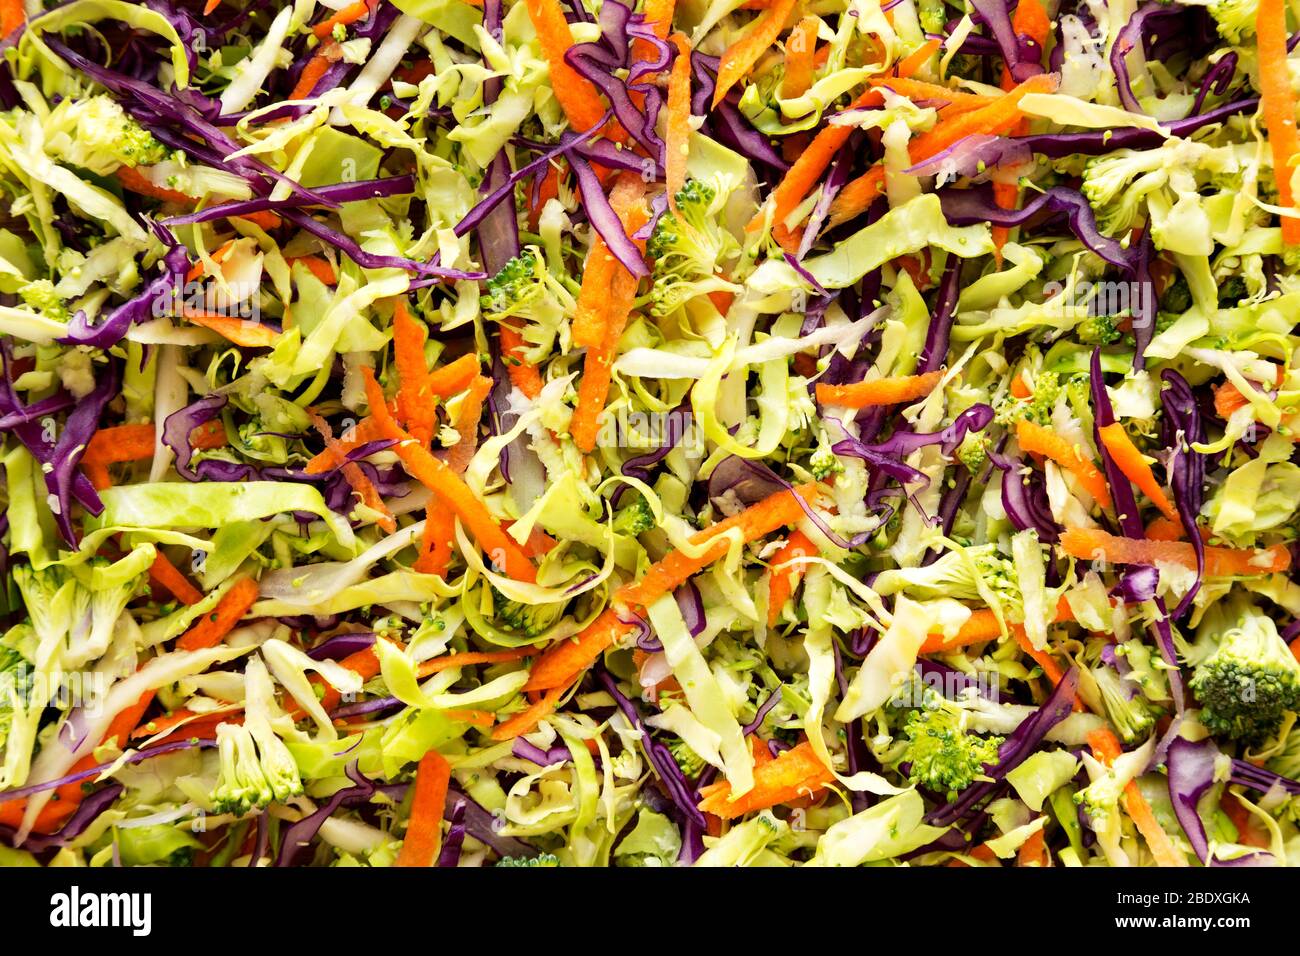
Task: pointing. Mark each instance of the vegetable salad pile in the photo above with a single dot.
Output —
(587, 433)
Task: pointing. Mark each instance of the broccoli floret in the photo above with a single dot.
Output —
(1176, 300)
(1232, 291)
(690, 763)
(256, 766)
(823, 463)
(689, 248)
(543, 859)
(1038, 406)
(1146, 670)
(934, 14)
(1116, 184)
(106, 137)
(1250, 678)
(1098, 330)
(1129, 712)
(241, 784)
(634, 519)
(527, 619)
(973, 452)
(1235, 19)
(944, 757)
(525, 289)
(40, 295)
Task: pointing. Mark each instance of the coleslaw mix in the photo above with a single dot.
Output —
(672, 432)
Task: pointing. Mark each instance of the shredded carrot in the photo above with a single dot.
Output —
(983, 625)
(349, 14)
(453, 377)
(793, 774)
(435, 543)
(800, 56)
(760, 519)
(1135, 468)
(449, 488)
(548, 190)
(781, 581)
(479, 718)
(97, 474)
(659, 15)
(1105, 747)
(1036, 439)
(627, 199)
(466, 424)
(1278, 103)
(1020, 388)
(209, 435)
(999, 117)
(1165, 529)
(424, 829)
(362, 485)
(119, 443)
(561, 662)
(1043, 659)
(316, 68)
(200, 268)
(523, 373)
(221, 620)
(1033, 852)
(524, 721)
(165, 574)
(12, 16)
(252, 335)
(210, 6)
(588, 328)
(678, 127)
(414, 400)
(134, 180)
(1091, 544)
(318, 267)
(467, 658)
(880, 391)
(740, 57)
(576, 94)
(366, 430)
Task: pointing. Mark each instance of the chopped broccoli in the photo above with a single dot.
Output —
(525, 289)
(1235, 19)
(823, 462)
(527, 619)
(256, 767)
(1250, 678)
(634, 519)
(1098, 330)
(934, 14)
(1232, 291)
(690, 763)
(1176, 300)
(105, 138)
(543, 859)
(40, 295)
(1037, 407)
(1115, 184)
(973, 452)
(689, 248)
(1128, 710)
(944, 757)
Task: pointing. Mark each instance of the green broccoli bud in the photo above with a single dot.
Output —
(106, 137)
(1250, 679)
(934, 14)
(1098, 330)
(1235, 19)
(1129, 712)
(1037, 407)
(690, 763)
(1176, 300)
(973, 452)
(945, 758)
(823, 462)
(634, 519)
(525, 289)
(1232, 291)
(527, 619)
(241, 784)
(543, 859)
(689, 248)
(40, 295)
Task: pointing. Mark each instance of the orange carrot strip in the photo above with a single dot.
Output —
(1164, 529)
(739, 58)
(1036, 439)
(12, 16)
(1043, 659)
(165, 574)
(209, 435)
(435, 543)
(210, 6)
(414, 402)
(449, 488)
(466, 424)
(561, 662)
(1000, 116)
(362, 485)
(578, 97)
(1105, 747)
(109, 446)
(454, 376)
(134, 180)
(756, 521)
(800, 55)
(1278, 103)
(366, 430)
(523, 373)
(678, 128)
(1090, 544)
(252, 335)
(588, 327)
(468, 658)
(983, 625)
(349, 14)
(221, 620)
(1033, 852)
(880, 391)
(98, 474)
(781, 580)
(524, 721)
(794, 773)
(318, 267)
(1130, 461)
(311, 74)
(424, 829)
(659, 15)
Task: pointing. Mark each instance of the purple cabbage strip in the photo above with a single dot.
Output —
(337, 192)
(455, 840)
(1216, 80)
(163, 289)
(674, 781)
(70, 446)
(179, 425)
(937, 336)
(761, 714)
(1022, 742)
(39, 409)
(1021, 57)
(369, 260)
(1103, 414)
(605, 221)
(691, 606)
(1182, 426)
(90, 773)
(543, 758)
(1129, 38)
(295, 841)
(1261, 778)
(482, 825)
(1191, 774)
(1095, 143)
(342, 645)
(1024, 498)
